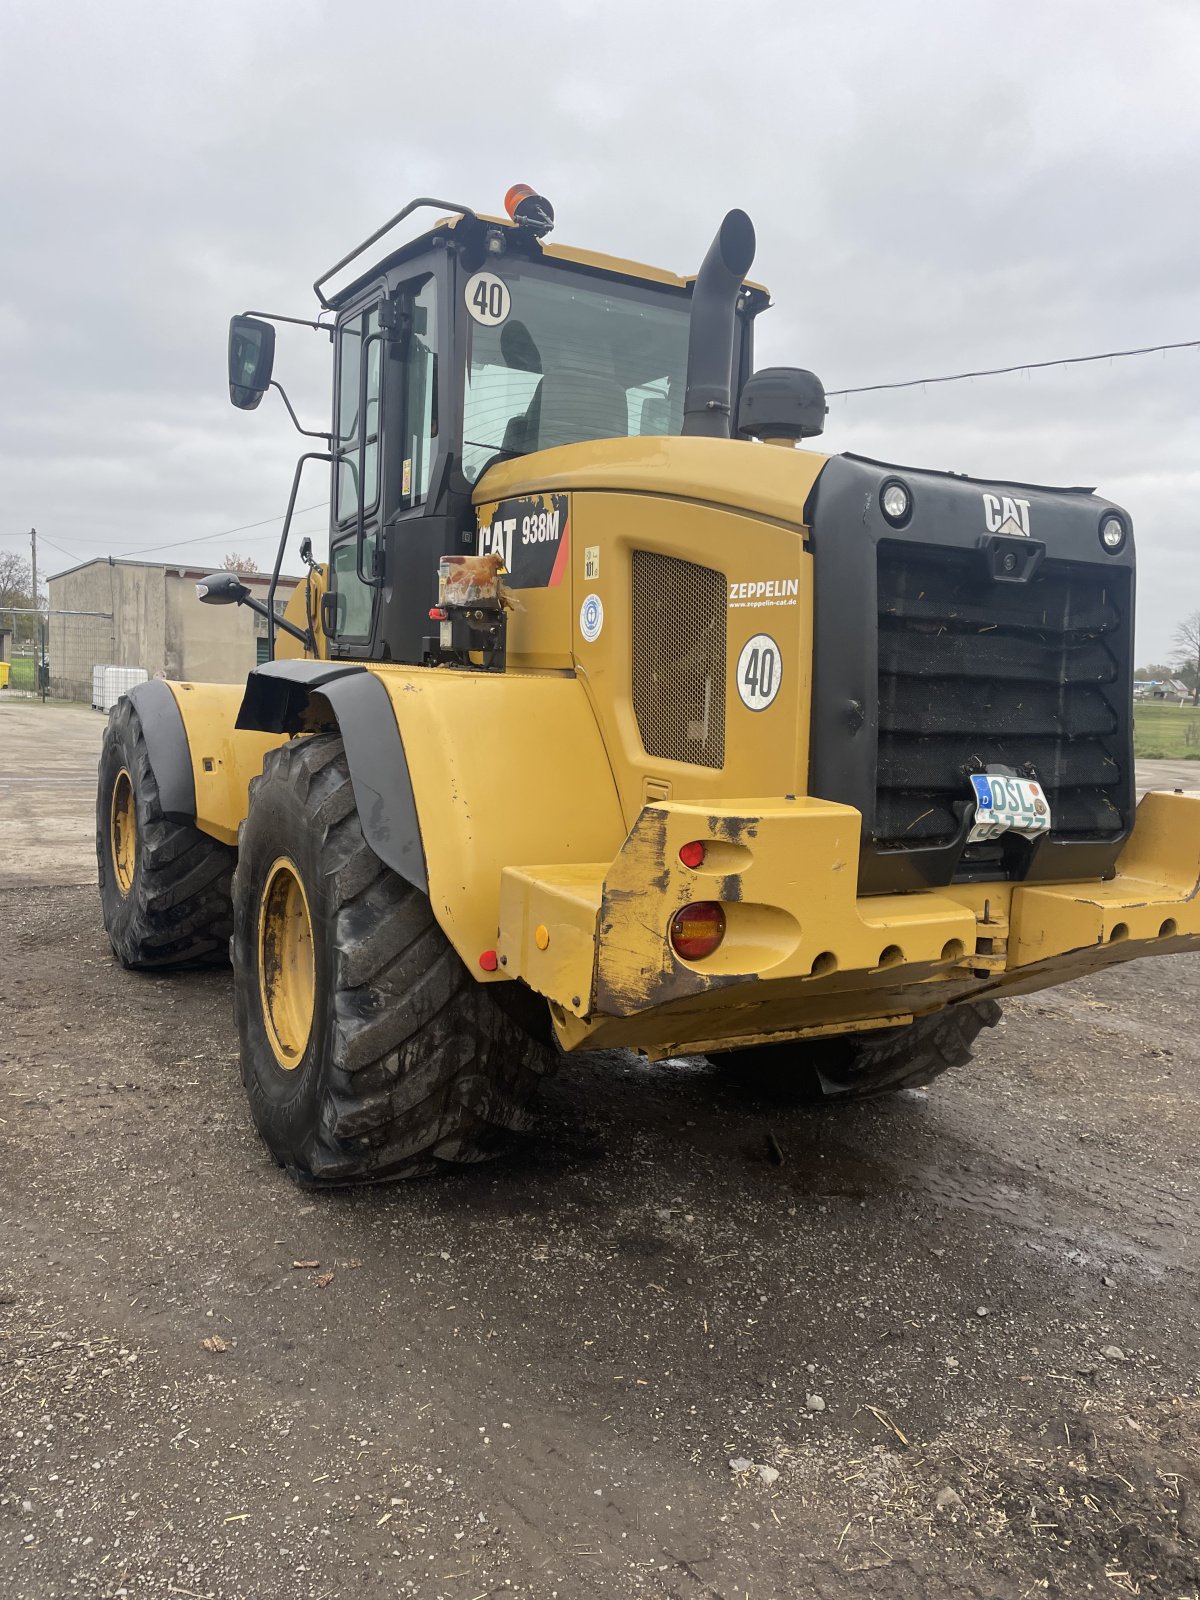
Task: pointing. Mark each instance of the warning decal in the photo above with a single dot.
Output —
(532, 538)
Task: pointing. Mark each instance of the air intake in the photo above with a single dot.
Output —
(679, 612)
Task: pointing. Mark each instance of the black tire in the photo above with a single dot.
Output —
(176, 909)
(409, 1066)
(857, 1066)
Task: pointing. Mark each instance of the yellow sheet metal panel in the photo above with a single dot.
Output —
(1155, 894)
(647, 554)
(224, 758)
(760, 479)
(304, 610)
(508, 770)
(548, 928)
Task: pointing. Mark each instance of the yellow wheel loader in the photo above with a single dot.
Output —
(619, 718)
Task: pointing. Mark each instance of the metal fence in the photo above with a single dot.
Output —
(51, 655)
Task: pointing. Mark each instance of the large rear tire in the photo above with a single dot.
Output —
(858, 1065)
(164, 886)
(368, 1050)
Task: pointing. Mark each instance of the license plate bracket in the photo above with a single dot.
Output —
(1005, 803)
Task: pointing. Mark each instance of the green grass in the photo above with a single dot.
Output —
(1166, 732)
(23, 674)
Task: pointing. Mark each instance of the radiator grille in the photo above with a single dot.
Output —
(974, 673)
(679, 612)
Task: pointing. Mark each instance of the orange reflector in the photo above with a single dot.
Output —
(518, 192)
(697, 930)
(488, 961)
(692, 854)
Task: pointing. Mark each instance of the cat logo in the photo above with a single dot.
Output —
(1003, 514)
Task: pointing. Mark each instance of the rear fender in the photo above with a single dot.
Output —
(201, 763)
(457, 775)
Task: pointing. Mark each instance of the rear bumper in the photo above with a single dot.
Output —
(804, 955)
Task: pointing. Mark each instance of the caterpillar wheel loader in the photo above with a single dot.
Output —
(619, 716)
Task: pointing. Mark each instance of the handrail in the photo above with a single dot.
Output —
(413, 205)
(309, 455)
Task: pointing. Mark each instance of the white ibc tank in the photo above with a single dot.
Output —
(114, 682)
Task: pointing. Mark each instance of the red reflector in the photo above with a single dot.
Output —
(697, 930)
(437, 614)
(692, 855)
(488, 961)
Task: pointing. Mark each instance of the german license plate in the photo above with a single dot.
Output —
(1007, 805)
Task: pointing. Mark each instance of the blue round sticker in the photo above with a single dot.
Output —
(591, 617)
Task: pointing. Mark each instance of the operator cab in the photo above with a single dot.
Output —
(478, 342)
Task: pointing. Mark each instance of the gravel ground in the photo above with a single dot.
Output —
(683, 1342)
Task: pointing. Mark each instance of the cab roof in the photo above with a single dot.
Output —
(592, 260)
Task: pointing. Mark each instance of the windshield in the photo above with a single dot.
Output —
(562, 358)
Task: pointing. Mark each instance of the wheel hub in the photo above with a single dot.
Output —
(122, 831)
(286, 964)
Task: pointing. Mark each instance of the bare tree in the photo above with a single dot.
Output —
(1187, 652)
(235, 563)
(16, 580)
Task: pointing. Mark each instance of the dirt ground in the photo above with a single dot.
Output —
(682, 1342)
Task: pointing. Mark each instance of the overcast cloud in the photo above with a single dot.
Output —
(934, 185)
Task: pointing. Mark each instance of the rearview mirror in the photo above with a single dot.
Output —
(251, 358)
(222, 589)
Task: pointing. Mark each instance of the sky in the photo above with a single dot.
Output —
(935, 185)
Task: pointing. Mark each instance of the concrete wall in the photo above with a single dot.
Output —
(157, 624)
(214, 644)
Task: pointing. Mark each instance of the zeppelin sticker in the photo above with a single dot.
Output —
(765, 592)
(531, 537)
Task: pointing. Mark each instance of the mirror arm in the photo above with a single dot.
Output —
(309, 433)
(300, 322)
(259, 607)
(272, 621)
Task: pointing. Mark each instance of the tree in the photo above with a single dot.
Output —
(1187, 653)
(1155, 672)
(16, 580)
(235, 563)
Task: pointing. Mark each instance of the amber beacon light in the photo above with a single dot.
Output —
(529, 209)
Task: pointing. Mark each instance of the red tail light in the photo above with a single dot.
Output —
(697, 930)
(692, 855)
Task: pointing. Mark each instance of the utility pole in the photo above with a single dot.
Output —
(33, 548)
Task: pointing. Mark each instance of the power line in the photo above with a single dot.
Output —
(1021, 366)
(227, 533)
(173, 544)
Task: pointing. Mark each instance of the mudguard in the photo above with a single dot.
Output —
(457, 775)
(277, 700)
(167, 747)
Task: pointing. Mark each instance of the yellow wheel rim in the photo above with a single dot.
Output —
(122, 831)
(287, 978)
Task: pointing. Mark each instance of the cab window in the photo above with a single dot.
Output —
(420, 428)
(574, 358)
(355, 338)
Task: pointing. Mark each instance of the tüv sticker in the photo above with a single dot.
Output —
(591, 618)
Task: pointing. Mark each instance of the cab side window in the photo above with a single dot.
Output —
(419, 352)
(355, 343)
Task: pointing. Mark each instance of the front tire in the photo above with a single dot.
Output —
(164, 886)
(858, 1066)
(368, 1051)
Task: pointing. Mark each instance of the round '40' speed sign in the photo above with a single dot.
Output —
(488, 299)
(759, 672)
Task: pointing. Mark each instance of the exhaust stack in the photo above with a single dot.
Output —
(708, 399)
